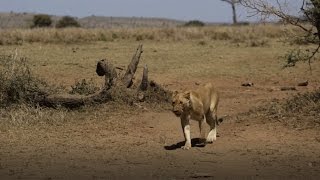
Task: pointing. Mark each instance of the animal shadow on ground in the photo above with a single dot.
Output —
(195, 142)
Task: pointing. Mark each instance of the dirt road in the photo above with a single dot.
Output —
(147, 145)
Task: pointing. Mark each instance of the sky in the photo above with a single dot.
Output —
(204, 10)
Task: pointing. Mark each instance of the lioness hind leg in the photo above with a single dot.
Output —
(202, 132)
(186, 132)
(212, 121)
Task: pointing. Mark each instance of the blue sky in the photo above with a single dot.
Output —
(204, 10)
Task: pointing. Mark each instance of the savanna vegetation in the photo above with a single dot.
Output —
(74, 35)
(38, 61)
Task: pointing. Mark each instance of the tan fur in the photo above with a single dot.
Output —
(200, 105)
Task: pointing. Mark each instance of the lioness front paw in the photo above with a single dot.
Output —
(186, 147)
(211, 139)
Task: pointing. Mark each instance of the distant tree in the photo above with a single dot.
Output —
(195, 23)
(233, 6)
(41, 20)
(67, 21)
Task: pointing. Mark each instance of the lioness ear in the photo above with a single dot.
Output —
(187, 95)
(174, 93)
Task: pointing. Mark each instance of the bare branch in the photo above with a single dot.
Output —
(309, 58)
(310, 9)
(265, 9)
(232, 1)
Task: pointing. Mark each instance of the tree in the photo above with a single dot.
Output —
(41, 20)
(67, 21)
(310, 24)
(233, 6)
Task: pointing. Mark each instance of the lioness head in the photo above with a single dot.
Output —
(180, 102)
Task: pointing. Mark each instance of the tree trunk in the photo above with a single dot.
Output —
(234, 13)
(233, 6)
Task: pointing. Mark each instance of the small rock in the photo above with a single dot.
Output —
(304, 83)
(202, 175)
(247, 84)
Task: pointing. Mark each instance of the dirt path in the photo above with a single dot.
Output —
(147, 146)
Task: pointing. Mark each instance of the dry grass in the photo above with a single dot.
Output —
(301, 111)
(25, 116)
(18, 84)
(63, 57)
(78, 35)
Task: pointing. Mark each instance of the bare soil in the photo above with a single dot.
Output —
(146, 144)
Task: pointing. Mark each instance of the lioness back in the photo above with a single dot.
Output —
(209, 97)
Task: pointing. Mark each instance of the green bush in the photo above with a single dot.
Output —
(67, 21)
(194, 23)
(41, 20)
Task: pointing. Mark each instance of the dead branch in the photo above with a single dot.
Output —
(115, 88)
(266, 9)
(132, 67)
(105, 68)
(144, 81)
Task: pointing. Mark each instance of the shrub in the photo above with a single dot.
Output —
(194, 23)
(18, 85)
(294, 56)
(67, 21)
(243, 23)
(41, 20)
(301, 110)
(139, 37)
(202, 43)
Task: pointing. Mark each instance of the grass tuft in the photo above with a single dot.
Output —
(18, 84)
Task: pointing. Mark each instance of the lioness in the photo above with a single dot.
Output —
(200, 105)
